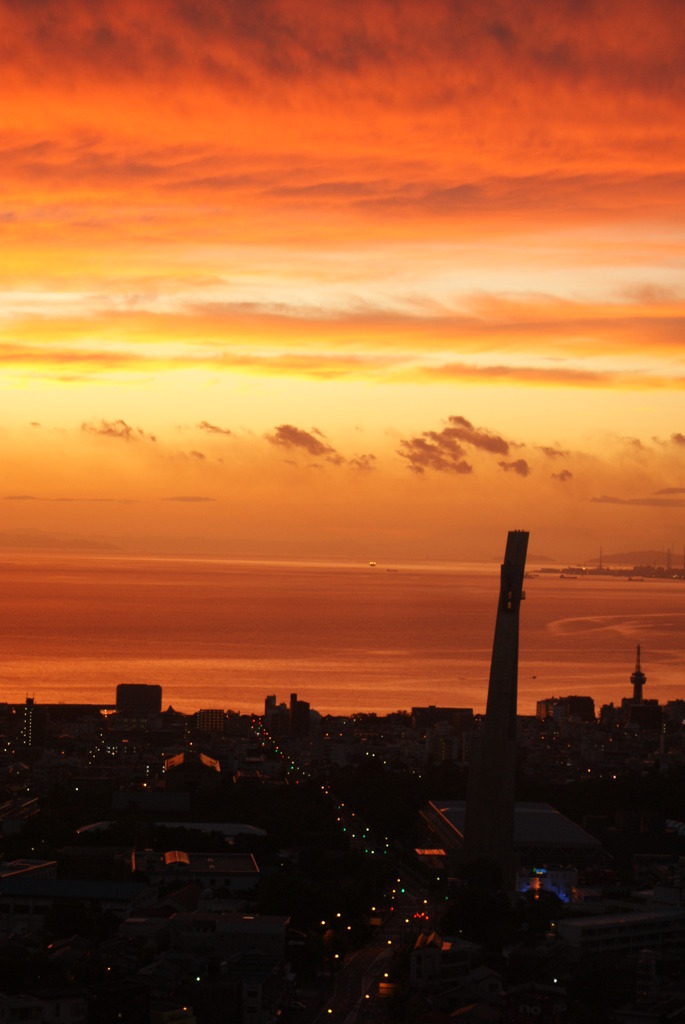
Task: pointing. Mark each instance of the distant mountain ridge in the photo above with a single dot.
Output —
(650, 557)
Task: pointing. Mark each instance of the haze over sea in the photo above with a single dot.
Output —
(345, 637)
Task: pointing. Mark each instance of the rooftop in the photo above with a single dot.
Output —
(534, 823)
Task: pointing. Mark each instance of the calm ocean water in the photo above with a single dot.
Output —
(344, 637)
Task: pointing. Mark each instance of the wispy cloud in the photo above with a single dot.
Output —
(460, 428)
(189, 498)
(312, 442)
(552, 453)
(566, 375)
(385, 346)
(72, 499)
(653, 502)
(433, 450)
(445, 450)
(211, 428)
(364, 463)
(519, 466)
(118, 429)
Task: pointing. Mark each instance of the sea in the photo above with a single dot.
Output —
(221, 633)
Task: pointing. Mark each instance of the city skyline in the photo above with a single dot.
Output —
(365, 281)
(347, 638)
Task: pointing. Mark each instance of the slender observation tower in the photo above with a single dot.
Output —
(638, 679)
(489, 824)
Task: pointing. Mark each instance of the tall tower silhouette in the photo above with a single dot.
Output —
(638, 679)
(489, 824)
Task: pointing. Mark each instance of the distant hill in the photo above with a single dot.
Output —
(638, 558)
(37, 540)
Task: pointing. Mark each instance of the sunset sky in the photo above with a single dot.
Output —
(343, 279)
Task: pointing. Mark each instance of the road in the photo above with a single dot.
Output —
(356, 982)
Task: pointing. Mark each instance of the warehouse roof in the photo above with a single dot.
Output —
(534, 824)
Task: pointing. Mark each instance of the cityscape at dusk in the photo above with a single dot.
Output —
(305, 306)
(165, 867)
(365, 280)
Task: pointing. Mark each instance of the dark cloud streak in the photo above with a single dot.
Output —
(363, 463)
(655, 502)
(445, 450)
(211, 428)
(519, 466)
(118, 429)
(313, 442)
(189, 498)
(461, 429)
(553, 453)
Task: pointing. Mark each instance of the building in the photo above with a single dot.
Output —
(490, 795)
(210, 720)
(437, 961)
(191, 770)
(459, 719)
(138, 700)
(276, 717)
(565, 709)
(627, 934)
(235, 871)
(35, 868)
(208, 934)
(26, 900)
(252, 954)
(299, 716)
(543, 842)
(27, 728)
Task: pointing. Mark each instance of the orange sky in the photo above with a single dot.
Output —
(363, 279)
